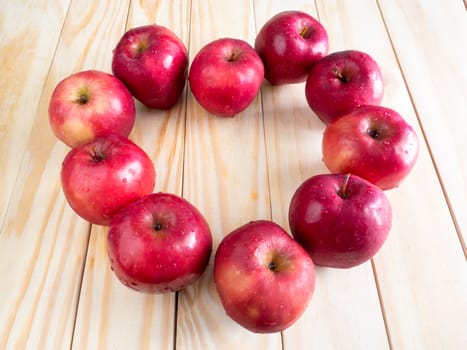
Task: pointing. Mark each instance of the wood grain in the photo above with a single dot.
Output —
(40, 228)
(225, 176)
(149, 319)
(333, 320)
(27, 47)
(432, 51)
(423, 239)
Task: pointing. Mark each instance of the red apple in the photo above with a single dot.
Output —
(225, 76)
(289, 43)
(373, 142)
(340, 220)
(90, 104)
(152, 62)
(341, 82)
(160, 243)
(104, 175)
(264, 278)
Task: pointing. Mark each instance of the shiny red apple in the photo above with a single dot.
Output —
(373, 142)
(225, 76)
(160, 243)
(341, 220)
(341, 82)
(289, 43)
(153, 63)
(102, 176)
(89, 104)
(264, 278)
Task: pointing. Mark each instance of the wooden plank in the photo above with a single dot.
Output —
(111, 315)
(225, 176)
(334, 319)
(27, 47)
(43, 243)
(432, 50)
(421, 269)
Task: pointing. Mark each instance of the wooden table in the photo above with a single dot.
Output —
(56, 288)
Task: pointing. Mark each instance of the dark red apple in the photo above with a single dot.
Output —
(102, 176)
(225, 76)
(160, 243)
(373, 142)
(341, 220)
(341, 82)
(153, 63)
(89, 104)
(264, 278)
(289, 43)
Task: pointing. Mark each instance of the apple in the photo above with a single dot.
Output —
(289, 43)
(373, 142)
(264, 278)
(153, 63)
(341, 82)
(102, 176)
(158, 244)
(341, 220)
(225, 76)
(89, 104)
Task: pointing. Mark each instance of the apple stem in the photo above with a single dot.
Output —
(304, 32)
(233, 57)
(83, 99)
(343, 190)
(157, 226)
(373, 133)
(339, 75)
(96, 156)
(272, 266)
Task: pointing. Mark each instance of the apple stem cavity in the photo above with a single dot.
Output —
(157, 226)
(304, 32)
(272, 266)
(83, 99)
(373, 133)
(97, 156)
(339, 75)
(233, 57)
(343, 190)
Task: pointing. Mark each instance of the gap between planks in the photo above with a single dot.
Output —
(425, 138)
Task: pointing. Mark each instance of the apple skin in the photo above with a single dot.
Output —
(341, 82)
(225, 76)
(339, 225)
(153, 63)
(264, 278)
(160, 243)
(102, 176)
(289, 43)
(373, 142)
(89, 104)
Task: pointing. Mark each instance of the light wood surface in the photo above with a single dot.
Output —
(56, 287)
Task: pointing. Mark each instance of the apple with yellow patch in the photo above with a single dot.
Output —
(90, 104)
(264, 278)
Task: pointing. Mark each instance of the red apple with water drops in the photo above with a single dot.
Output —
(102, 176)
(341, 220)
(225, 76)
(373, 142)
(89, 104)
(342, 81)
(289, 44)
(264, 278)
(153, 63)
(160, 243)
